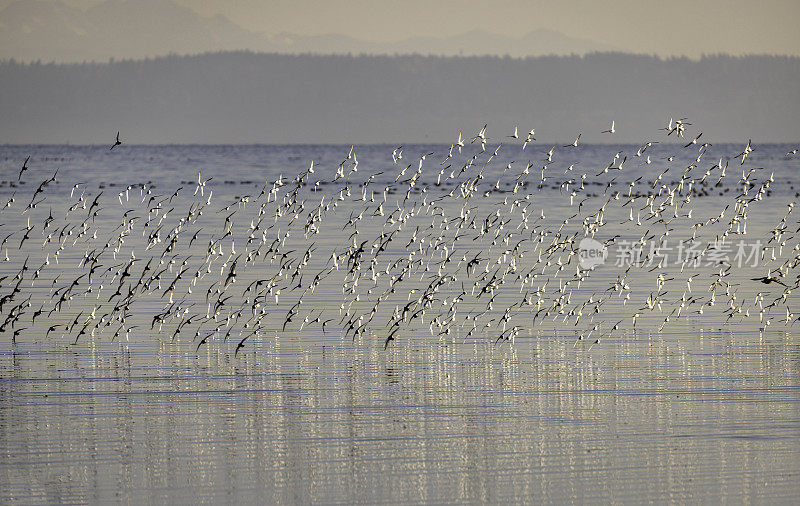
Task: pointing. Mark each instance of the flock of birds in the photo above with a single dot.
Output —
(427, 246)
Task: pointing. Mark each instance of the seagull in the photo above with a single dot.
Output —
(610, 130)
(116, 143)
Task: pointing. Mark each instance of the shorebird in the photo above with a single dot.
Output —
(693, 141)
(575, 142)
(24, 168)
(116, 143)
(445, 251)
(529, 138)
(770, 279)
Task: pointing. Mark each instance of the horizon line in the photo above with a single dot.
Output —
(111, 60)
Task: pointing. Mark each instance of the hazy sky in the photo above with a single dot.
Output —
(664, 27)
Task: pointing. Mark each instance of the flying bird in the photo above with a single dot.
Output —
(23, 169)
(116, 143)
(574, 143)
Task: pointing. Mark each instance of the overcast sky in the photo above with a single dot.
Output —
(673, 27)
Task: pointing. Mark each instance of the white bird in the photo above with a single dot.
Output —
(747, 151)
(529, 138)
(575, 142)
(481, 135)
(397, 154)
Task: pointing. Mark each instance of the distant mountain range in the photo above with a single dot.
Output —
(32, 30)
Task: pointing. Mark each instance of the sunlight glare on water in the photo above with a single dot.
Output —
(677, 404)
(682, 418)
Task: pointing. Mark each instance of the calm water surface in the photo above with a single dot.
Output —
(705, 409)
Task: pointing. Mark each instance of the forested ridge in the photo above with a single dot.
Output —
(242, 97)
